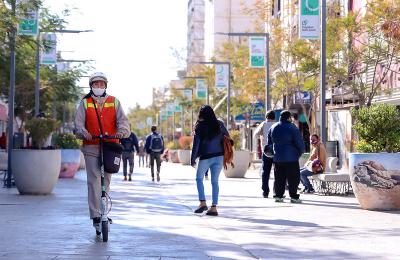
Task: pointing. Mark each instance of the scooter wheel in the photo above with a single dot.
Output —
(104, 230)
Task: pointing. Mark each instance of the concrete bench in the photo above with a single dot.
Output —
(331, 182)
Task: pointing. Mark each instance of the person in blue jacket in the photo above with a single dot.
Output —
(155, 147)
(128, 154)
(207, 146)
(288, 146)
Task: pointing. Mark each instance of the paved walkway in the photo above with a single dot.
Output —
(155, 221)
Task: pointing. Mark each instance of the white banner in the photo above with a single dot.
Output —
(28, 22)
(309, 19)
(257, 52)
(188, 94)
(49, 56)
(170, 109)
(221, 76)
(178, 108)
(149, 121)
(62, 67)
(201, 88)
(163, 113)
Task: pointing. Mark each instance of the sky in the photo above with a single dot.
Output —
(131, 43)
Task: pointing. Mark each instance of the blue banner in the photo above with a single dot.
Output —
(256, 111)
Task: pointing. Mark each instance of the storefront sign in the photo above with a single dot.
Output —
(256, 112)
(257, 52)
(221, 76)
(309, 19)
(306, 97)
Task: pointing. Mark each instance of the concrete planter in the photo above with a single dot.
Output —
(82, 164)
(241, 160)
(35, 171)
(375, 178)
(69, 162)
(173, 156)
(184, 157)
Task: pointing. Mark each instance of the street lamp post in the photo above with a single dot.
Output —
(229, 85)
(37, 63)
(267, 83)
(323, 71)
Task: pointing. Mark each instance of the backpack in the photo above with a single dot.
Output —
(228, 151)
(127, 143)
(156, 143)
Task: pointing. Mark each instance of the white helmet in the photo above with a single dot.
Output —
(96, 77)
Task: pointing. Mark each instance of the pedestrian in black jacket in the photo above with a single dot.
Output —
(128, 154)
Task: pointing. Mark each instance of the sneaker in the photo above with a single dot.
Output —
(152, 179)
(158, 176)
(96, 222)
(206, 177)
(110, 220)
(278, 199)
(130, 177)
(265, 196)
(310, 190)
(295, 200)
(125, 179)
(305, 190)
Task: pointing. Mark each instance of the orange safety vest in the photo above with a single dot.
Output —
(107, 119)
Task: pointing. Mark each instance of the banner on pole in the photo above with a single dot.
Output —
(149, 121)
(62, 67)
(221, 76)
(28, 22)
(309, 19)
(188, 94)
(49, 56)
(178, 108)
(170, 109)
(257, 52)
(201, 88)
(163, 113)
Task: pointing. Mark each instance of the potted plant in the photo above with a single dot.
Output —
(184, 152)
(36, 171)
(70, 154)
(374, 169)
(173, 151)
(241, 158)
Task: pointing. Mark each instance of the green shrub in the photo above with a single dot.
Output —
(236, 136)
(173, 145)
(67, 141)
(378, 128)
(185, 142)
(40, 129)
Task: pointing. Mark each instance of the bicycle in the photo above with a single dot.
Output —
(104, 228)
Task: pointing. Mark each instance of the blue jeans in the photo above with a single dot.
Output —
(304, 173)
(141, 157)
(215, 165)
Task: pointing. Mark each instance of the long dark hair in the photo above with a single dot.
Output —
(207, 120)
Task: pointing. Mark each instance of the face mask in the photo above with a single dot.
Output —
(314, 142)
(98, 91)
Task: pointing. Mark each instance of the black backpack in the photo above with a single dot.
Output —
(156, 143)
(127, 143)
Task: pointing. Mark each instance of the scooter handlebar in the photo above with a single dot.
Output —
(105, 137)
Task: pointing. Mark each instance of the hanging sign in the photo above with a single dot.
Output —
(62, 67)
(170, 109)
(257, 52)
(221, 76)
(49, 56)
(306, 97)
(201, 88)
(149, 121)
(178, 108)
(309, 19)
(163, 113)
(188, 94)
(28, 22)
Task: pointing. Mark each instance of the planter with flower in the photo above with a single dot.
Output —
(241, 158)
(36, 171)
(375, 168)
(184, 153)
(70, 154)
(173, 151)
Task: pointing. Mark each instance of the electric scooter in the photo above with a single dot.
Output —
(104, 227)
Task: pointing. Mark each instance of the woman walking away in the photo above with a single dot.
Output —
(207, 146)
(141, 152)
